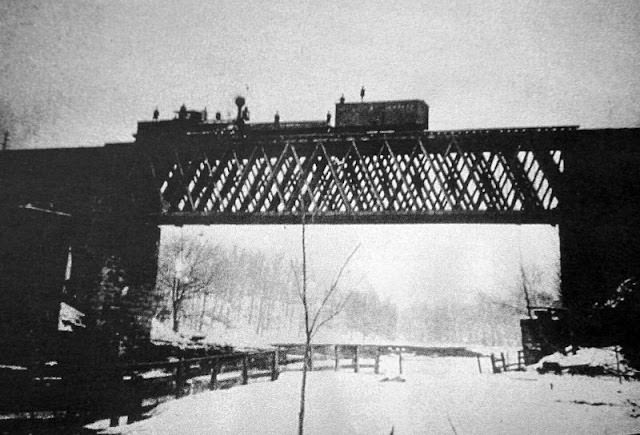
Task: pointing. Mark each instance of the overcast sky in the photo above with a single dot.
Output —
(78, 73)
(82, 73)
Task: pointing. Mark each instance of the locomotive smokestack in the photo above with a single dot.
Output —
(240, 103)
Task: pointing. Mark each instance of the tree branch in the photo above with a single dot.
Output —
(336, 312)
(333, 288)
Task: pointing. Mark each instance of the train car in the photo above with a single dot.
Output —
(400, 114)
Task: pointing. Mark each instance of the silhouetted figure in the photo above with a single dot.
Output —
(218, 116)
(245, 113)
(204, 114)
(342, 99)
(362, 93)
(328, 118)
(156, 114)
(182, 114)
(276, 120)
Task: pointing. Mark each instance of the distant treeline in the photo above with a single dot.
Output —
(201, 284)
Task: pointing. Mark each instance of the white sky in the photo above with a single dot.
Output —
(79, 73)
(82, 73)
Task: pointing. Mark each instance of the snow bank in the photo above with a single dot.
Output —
(239, 338)
(161, 331)
(217, 334)
(592, 357)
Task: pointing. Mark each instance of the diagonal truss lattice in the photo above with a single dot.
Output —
(413, 180)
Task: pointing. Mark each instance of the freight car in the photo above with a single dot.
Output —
(400, 114)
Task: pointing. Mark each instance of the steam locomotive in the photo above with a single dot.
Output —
(358, 116)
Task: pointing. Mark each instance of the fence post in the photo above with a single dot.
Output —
(180, 378)
(245, 369)
(479, 365)
(135, 410)
(618, 365)
(520, 362)
(376, 367)
(215, 369)
(335, 351)
(275, 369)
(283, 354)
(115, 391)
(356, 361)
(494, 368)
(400, 360)
(504, 364)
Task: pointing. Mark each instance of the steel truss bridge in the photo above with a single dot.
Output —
(497, 175)
(583, 181)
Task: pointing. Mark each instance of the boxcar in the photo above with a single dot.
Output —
(385, 114)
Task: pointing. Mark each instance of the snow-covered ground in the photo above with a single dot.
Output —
(433, 396)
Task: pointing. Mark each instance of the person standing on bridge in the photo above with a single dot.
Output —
(362, 93)
(156, 114)
(328, 118)
(276, 120)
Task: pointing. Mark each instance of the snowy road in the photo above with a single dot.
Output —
(439, 396)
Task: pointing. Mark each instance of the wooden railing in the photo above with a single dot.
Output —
(139, 382)
(162, 379)
(129, 389)
(336, 353)
(294, 352)
(501, 364)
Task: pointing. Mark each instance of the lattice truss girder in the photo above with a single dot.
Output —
(409, 181)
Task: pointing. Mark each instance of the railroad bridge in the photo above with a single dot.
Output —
(107, 203)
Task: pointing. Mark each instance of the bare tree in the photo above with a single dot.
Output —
(216, 268)
(185, 271)
(315, 318)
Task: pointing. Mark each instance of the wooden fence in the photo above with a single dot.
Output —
(501, 364)
(336, 353)
(130, 389)
(183, 376)
(159, 380)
